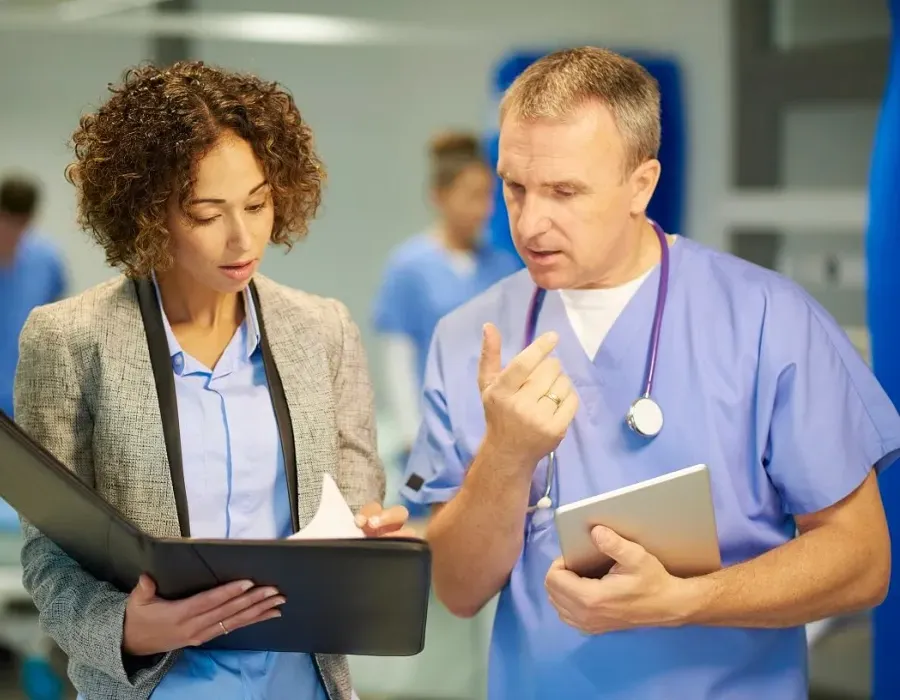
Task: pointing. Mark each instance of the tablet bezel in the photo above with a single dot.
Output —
(672, 516)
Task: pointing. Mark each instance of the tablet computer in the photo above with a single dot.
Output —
(671, 516)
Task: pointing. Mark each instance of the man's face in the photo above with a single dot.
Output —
(12, 228)
(569, 199)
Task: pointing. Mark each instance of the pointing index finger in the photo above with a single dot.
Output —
(522, 365)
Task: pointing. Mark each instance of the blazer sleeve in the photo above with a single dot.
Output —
(82, 615)
(360, 469)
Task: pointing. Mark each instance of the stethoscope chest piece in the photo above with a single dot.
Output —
(645, 417)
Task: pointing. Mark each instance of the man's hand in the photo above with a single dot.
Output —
(637, 591)
(529, 404)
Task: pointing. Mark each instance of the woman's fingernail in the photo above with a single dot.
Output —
(374, 521)
(360, 520)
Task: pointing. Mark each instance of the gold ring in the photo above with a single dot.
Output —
(224, 628)
(554, 398)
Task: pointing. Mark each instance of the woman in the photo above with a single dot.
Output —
(432, 273)
(198, 397)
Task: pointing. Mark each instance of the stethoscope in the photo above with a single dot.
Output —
(644, 416)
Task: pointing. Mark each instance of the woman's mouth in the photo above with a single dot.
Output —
(239, 271)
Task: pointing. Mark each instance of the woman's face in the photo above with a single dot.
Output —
(467, 202)
(230, 217)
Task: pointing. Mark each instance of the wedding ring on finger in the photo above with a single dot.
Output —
(553, 397)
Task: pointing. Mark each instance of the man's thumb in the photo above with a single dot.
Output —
(489, 365)
(145, 590)
(626, 554)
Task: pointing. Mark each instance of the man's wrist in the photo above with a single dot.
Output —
(696, 596)
(504, 457)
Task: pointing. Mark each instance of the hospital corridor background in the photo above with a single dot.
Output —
(780, 144)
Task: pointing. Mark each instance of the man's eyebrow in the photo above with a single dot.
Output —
(567, 183)
(570, 184)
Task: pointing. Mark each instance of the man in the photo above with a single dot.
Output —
(753, 379)
(31, 273)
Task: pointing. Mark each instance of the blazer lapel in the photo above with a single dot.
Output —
(138, 383)
(293, 348)
(164, 381)
(282, 412)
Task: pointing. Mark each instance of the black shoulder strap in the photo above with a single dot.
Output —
(282, 414)
(165, 390)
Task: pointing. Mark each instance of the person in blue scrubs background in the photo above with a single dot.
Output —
(32, 272)
(754, 379)
(435, 271)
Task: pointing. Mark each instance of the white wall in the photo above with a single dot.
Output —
(373, 109)
(46, 82)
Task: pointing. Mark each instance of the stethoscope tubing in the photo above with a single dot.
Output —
(534, 310)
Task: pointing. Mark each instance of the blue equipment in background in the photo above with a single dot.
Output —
(883, 295)
(668, 203)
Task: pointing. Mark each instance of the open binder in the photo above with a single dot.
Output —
(353, 596)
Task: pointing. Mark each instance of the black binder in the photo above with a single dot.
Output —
(354, 596)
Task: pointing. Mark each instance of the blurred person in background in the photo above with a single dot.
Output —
(436, 271)
(196, 396)
(32, 272)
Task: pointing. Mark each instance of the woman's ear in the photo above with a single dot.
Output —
(643, 184)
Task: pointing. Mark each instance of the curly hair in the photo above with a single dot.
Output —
(143, 145)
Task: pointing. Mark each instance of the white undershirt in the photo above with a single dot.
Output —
(592, 312)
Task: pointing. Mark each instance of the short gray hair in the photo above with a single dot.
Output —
(557, 84)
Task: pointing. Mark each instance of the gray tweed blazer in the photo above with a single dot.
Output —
(85, 390)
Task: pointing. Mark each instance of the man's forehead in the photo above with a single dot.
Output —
(555, 147)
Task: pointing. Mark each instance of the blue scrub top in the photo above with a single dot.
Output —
(755, 380)
(421, 285)
(36, 277)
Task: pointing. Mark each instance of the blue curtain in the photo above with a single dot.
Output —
(667, 205)
(883, 293)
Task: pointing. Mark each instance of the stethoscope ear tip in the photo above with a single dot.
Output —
(544, 502)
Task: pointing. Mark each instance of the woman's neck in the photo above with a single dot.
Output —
(189, 304)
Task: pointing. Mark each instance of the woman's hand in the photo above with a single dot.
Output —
(154, 626)
(375, 521)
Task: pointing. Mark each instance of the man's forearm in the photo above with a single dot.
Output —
(822, 573)
(476, 538)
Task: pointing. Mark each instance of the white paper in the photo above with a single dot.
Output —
(333, 519)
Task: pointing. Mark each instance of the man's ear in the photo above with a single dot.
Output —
(643, 184)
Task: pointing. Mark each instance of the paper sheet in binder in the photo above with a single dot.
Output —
(333, 519)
